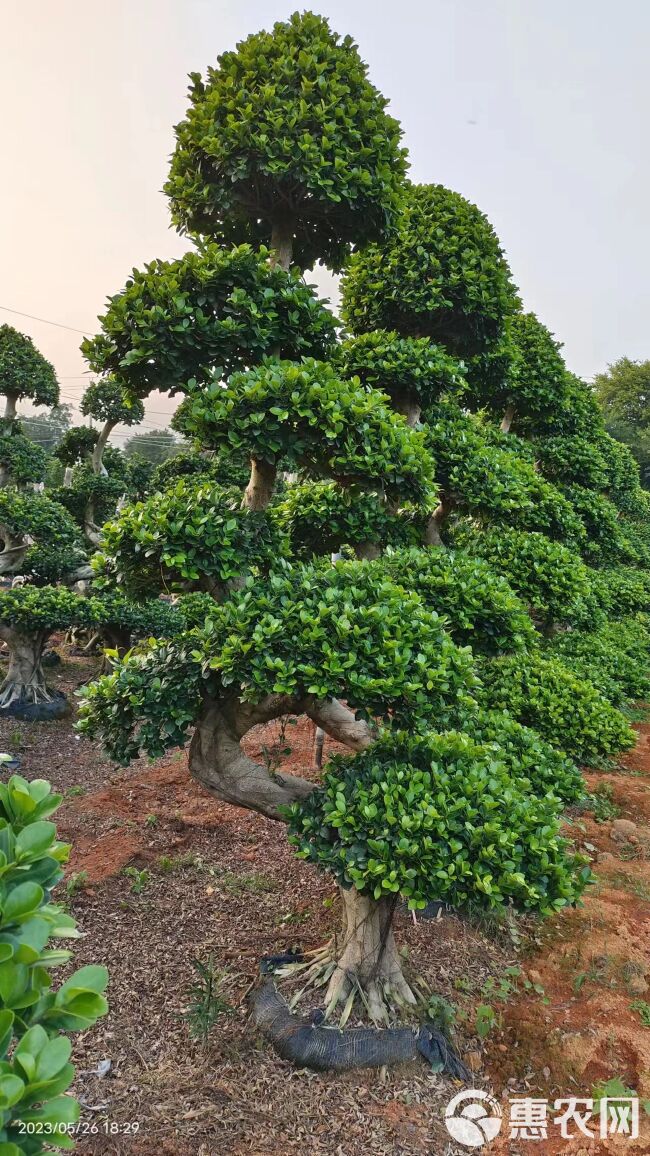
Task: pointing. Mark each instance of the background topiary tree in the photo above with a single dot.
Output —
(106, 401)
(24, 372)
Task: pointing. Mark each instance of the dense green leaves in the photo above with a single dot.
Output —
(176, 321)
(544, 694)
(21, 460)
(548, 577)
(615, 658)
(289, 127)
(343, 630)
(147, 703)
(322, 517)
(477, 605)
(107, 401)
(192, 535)
(304, 415)
(408, 369)
(443, 276)
(24, 372)
(30, 608)
(438, 817)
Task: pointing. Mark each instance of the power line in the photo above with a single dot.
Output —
(45, 320)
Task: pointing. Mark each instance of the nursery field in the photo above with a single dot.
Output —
(162, 875)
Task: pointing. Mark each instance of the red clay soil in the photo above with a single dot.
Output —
(222, 881)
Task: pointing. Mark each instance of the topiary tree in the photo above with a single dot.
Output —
(39, 536)
(107, 402)
(369, 650)
(288, 144)
(24, 372)
(28, 616)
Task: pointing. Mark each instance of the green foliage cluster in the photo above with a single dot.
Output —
(288, 125)
(21, 459)
(402, 367)
(304, 415)
(44, 608)
(35, 1071)
(107, 401)
(437, 817)
(442, 276)
(175, 321)
(621, 590)
(76, 445)
(624, 391)
(345, 630)
(541, 692)
(477, 605)
(573, 461)
(548, 577)
(148, 702)
(492, 483)
(526, 754)
(537, 382)
(225, 468)
(35, 515)
(193, 534)
(24, 372)
(322, 517)
(615, 658)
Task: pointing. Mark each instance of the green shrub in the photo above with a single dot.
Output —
(402, 367)
(526, 755)
(288, 125)
(437, 816)
(570, 713)
(34, 1054)
(322, 517)
(442, 276)
(621, 590)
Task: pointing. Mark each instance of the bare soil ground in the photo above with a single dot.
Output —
(215, 881)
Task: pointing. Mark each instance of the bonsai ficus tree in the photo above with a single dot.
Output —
(39, 537)
(373, 650)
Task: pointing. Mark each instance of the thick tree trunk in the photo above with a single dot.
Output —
(98, 452)
(508, 418)
(91, 529)
(25, 680)
(67, 477)
(13, 552)
(259, 490)
(432, 533)
(408, 406)
(282, 238)
(10, 406)
(367, 551)
(368, 958)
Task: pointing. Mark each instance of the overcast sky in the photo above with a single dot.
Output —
(536, 110)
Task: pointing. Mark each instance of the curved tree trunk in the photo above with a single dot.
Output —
(432, 533)
(98, 452)
(10, 406)
(282, 238)
(367, 956)
(408, 406)
(367, 551)
(24, 680)
(13, 552)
